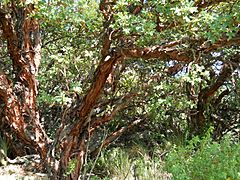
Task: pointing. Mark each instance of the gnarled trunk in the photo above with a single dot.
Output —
(19, 93)
(73, 142)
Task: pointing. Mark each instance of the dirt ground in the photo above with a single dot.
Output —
(20, 172)
(22, 168)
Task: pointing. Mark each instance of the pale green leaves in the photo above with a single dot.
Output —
(70, 15)
(62, 99)
(31, 1)
(143, 26)
(196, 75)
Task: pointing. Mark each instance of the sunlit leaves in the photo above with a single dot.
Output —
(82, 27)
(31, 1)
(69, 14)
(129, 79)
(167, 102)
(196, 75)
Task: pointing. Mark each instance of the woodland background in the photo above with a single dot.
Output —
(122, 89)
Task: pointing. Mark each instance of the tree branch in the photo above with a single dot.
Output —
(158, 52)
(107, 117)
(210, 91)
(169, 51)
(115, 135)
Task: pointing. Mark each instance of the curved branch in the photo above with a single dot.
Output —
(206, 93)
(207, 47)
(107, 117)
(220, 97)
(170, 50)
(115, 135)
(158, 52)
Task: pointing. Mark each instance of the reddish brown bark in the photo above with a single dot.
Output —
(75, 139)
(12, 109)
(21, 111)
(157, 52)
(208, 47)
(24, 51)
(170, 50)
(107, 117)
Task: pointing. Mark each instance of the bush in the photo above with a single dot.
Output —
(205, 159)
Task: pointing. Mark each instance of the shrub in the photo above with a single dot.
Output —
(205, 159)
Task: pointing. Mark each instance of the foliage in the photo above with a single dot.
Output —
(205, 159)
(71, 167)
(72, 36)
(172, 65)
(201, 158)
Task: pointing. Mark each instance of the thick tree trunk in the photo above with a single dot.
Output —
(19, 94)
(73, 144)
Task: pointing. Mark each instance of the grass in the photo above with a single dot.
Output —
(129, 163)
(199, 158)
(205, 159)
(3, 151)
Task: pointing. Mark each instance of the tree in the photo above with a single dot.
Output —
(19, 94)
(114, 36)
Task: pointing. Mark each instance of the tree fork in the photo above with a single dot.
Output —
(74, 143)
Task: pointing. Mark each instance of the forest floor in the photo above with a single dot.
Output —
(22, 169)
(19, 172)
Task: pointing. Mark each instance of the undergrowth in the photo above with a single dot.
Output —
(202, 158)
(132, 163)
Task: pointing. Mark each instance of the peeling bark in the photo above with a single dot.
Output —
(74, 141)
(24, 46)
(12, 109)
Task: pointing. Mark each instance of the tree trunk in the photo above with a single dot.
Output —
(19, 94)
(73, 143)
